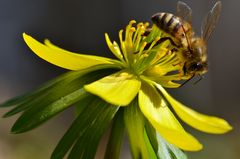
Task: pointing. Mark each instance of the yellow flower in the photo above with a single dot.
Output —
(146, 65)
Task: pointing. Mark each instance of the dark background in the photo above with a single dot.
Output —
(79, 26)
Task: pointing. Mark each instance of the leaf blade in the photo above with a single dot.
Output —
(162, 148)
(59, 98)
(116, 136)
(86, 145)
(80, 124)
(46, 86)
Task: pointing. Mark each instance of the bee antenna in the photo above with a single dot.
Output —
(187, 80)
(200, 78)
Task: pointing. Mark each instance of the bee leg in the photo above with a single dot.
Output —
(167, 38)
(187, 80)
(159, 42)
(185, 69)
(174, 50)
(200, 78)
(147, 32)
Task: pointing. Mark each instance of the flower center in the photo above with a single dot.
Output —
(146, 51)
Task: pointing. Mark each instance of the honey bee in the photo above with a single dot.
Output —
(179, 31)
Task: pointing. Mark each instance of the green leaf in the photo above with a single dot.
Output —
(33, 118)
(25, 105)
(86, 116)
(33, 94)
(174, 152)
(162, 148)
(87, 143)
(50, 92)
(55, 100)
(134, 123)
(42, 89)
(79, 106)
(149, 146)
(151, 134)
(116, 136)
(86, 130)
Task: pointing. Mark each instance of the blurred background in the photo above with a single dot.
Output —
(79, 26)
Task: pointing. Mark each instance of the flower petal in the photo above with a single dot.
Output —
(118, 89)
(209, 124)
(63, 58)
(156, 111)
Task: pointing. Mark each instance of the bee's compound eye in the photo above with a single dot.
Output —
(193, 66)
(197, 66)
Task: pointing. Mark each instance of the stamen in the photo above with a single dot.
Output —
(117, 49)
(128, 40)
(142, 51)
(122, 44)
(142, 47)
(164, 56)
(129, 26)
(114, 47)
(138, 36)
(137, 32)
(167, 59)
(146, 25)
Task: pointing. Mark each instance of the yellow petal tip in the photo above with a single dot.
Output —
(197, 147)
(25, 36)
(63, 58)
(202, 122)
(226, 127)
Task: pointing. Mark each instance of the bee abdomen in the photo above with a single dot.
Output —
(167, 22)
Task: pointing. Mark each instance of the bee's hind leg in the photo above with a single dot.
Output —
(163, 39)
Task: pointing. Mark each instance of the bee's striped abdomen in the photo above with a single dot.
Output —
(172, 25)
(167, 22)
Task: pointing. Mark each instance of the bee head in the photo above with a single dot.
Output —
(195, 67)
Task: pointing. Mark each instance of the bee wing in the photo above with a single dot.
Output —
(184, 11)
(210, 21)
